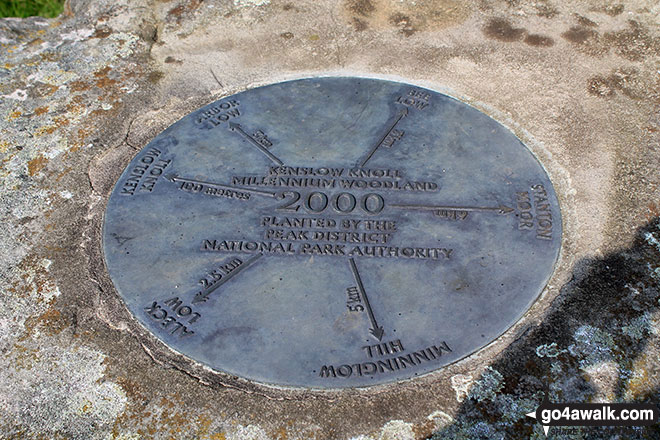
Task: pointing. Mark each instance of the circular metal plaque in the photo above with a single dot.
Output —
(332, 232)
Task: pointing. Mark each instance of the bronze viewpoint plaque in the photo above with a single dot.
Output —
(332, 232)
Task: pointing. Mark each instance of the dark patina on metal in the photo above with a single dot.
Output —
(332, 232)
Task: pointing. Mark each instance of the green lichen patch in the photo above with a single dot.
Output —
(606, 319)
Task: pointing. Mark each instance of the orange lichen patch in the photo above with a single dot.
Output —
(51, 323)
(49, 56)
(644, 374)
(654, 211)
(14, 115)
(203, 428)
(78, 140)
(37, 164)
(78, 86)
(132, 389)
(180, 9)
(43, 90)
(62, 174)
(204, 424)
(164, 401)
(281, 434)
(61, 121)
(35, 42)
(77, 105)
(177, 10)
(165, 420)
(4, 172)
(102, 32)
(40, 110)
(73, 108)
(102, 78)
(424, 430)
(105, 82)
(102, 72)
(50, 129)
(193, 4)
(24, 357)
(174, 420)
(84, 133)
(35, 279)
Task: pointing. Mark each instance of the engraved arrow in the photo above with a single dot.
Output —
(402, 114)
(376, 330)
(202, 296)
(502, 209)
(173, 178)
(237, 129)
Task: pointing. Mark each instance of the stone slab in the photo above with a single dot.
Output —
(575, 81)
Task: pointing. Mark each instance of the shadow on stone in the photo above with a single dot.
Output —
(598, 343)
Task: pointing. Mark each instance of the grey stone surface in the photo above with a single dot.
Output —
(576, 81)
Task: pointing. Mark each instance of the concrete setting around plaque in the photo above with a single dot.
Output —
(81, 95)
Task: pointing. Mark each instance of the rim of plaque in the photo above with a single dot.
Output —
(332, 232)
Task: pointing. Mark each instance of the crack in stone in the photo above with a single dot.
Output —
(128, 132)
(216, 78)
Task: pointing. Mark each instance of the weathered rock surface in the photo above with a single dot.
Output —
(577, 81)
